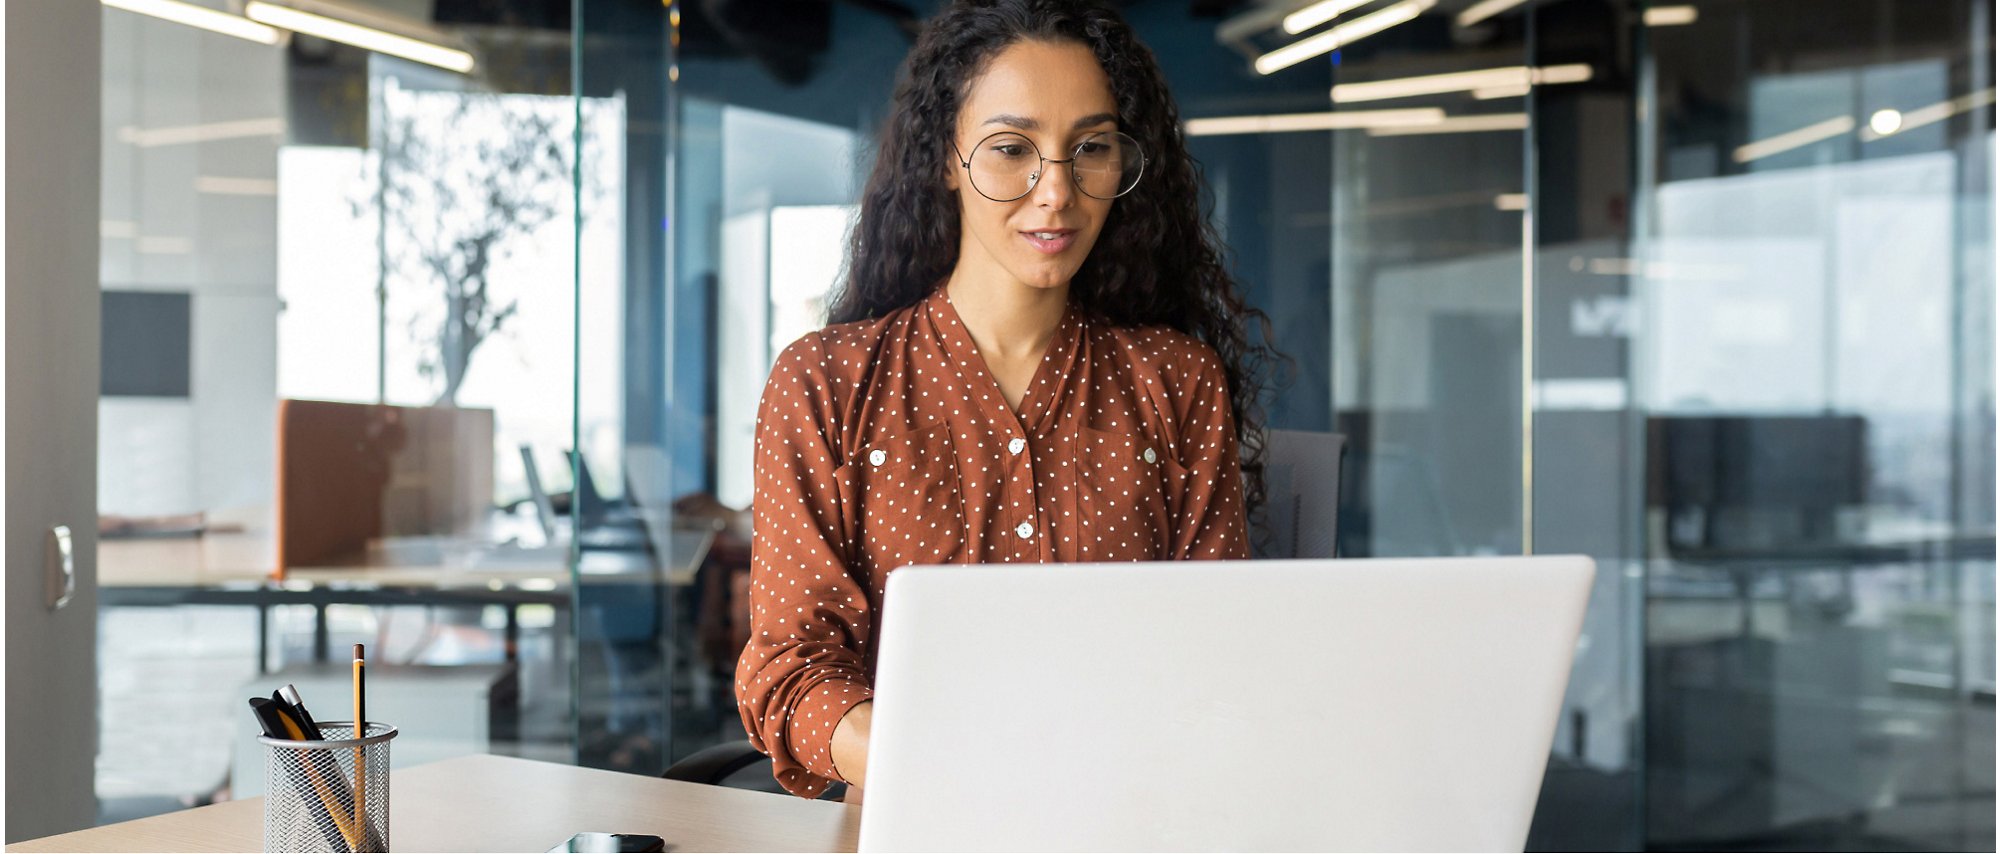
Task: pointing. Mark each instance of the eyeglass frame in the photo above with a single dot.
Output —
(1035, 177)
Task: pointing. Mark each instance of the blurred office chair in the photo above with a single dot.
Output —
(737, 765)
(1302, 488)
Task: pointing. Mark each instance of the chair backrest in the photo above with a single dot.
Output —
(1302, 485)
(716, 763)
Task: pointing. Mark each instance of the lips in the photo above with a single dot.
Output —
(1050, 241)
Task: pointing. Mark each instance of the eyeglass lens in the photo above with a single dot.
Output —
(1006, 166)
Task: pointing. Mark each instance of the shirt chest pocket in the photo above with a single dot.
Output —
(1126, 489)
(905, 497)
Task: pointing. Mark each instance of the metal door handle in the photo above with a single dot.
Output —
(62, 567)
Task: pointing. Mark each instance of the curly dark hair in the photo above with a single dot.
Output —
(1158, 260)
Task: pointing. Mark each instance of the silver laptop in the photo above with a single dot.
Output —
(1397, 704)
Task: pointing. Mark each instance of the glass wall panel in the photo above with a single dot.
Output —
(1703, 291)
(1427, 287)
(745, 143)
(635, 555)
(1812, 305)
(1455, 356)
(1581, 463)
(338, 382)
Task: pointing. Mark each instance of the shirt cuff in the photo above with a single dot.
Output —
(809, 733)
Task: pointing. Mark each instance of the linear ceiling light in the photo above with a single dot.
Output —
(200, 16)
(366, 38)
(1459, 124)
(1345, 120)
(1342, 35)
(1484, 9)
(221, 185)
(1576, 72)
(1491, 93)
(1505, 80)
(150, 245)
(1319, 13)
(1924, 115)
(1670, 16)
(1794, 139)
(207, 132)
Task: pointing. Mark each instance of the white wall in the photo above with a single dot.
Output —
(51, 345)
(198, 218)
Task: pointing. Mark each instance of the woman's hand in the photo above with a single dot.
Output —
(850, 746)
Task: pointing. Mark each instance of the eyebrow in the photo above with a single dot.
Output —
(1022, 123)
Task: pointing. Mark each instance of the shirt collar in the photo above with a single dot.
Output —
(1051, 377)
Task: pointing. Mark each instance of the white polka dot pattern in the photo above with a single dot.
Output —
(886, 443)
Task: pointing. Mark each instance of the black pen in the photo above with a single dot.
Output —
(291, 712)
(291, 695)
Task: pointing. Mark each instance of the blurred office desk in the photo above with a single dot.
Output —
(1745, 566)
(236, 569)
(497, 803)
(1860, 553)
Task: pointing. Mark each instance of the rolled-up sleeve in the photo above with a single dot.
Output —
(1211, 524)
(801, 670)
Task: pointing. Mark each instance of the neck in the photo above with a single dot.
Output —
(1005, 318)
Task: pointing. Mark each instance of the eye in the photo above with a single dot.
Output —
(1011, 149)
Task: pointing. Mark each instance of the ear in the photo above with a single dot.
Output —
(951, 167)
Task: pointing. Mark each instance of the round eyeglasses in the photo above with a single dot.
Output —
(1006, 166)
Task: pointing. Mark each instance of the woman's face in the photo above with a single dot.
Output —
(1055, 95)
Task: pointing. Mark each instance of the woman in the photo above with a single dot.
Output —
(1037, 356)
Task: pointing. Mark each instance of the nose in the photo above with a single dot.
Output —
(1054, 190)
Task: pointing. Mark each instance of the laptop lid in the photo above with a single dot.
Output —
(1390, 704)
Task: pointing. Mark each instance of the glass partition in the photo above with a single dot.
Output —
(1810, 307)
(1580, 465)
(1703, 291)
(339, 365)
(1485, 139)
(730, 200)
(635, 553)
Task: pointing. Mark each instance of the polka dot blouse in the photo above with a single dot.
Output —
(884, 443)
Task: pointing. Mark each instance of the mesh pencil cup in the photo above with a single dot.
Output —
(312, 788)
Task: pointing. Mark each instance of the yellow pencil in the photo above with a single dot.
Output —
(360, 731)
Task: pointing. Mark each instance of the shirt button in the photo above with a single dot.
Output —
(1025, 529)
(1150, 456)
(1014, 446)
(877, 457)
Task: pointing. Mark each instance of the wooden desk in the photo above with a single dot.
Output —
(495, 803)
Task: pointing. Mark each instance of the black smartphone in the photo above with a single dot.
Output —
(611, 842)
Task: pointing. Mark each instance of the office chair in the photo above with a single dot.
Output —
(1302, 485)
(729, 763)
